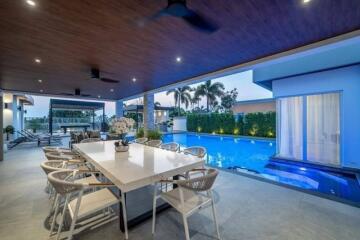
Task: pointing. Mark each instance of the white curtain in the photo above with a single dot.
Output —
(323, 128)
(290, 127)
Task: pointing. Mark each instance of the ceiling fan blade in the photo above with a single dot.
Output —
(108, 80)
(199, 22)
(142, 22)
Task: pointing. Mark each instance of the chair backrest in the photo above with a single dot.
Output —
(141, 140)
(52, 166)
(154, 143)
(196, 151)
(62, 181)
(56, 149)
(89, 140)
(57, 156)
(200, 184)
(94, 134)
(172, 146)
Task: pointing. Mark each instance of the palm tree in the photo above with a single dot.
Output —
(181, 95)
(211, 92)
(196, 98)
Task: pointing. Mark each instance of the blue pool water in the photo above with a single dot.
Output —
(253, 156)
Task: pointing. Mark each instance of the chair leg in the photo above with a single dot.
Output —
(154, 209)
(56, 205)
(72, 227)
(215, 217)
(63, 216)
(186, 227)
(123, 204)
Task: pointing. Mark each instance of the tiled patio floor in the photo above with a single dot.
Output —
(248, 209)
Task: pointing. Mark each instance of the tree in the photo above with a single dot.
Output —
(228, 99)
(211, 92)
(196, 98)
(181, 96)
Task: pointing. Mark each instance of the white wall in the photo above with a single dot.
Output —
(11, 115)
(179, 124)
(347, 81)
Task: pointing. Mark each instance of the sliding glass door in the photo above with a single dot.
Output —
(309, 128)
(323, 128)
(290, 125)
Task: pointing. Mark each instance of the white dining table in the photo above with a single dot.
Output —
(138, 168)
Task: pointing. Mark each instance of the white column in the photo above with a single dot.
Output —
(148, 112)
(119, 108)
(1, 128)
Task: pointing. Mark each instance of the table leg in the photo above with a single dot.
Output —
(139, 219)
(121, 216)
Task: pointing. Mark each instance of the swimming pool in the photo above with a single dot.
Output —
(252, 156)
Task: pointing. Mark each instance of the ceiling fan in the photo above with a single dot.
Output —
(179, 9)
(77, 93)
(95, 74)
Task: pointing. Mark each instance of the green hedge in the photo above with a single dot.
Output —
(252, 124)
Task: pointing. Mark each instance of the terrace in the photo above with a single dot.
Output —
(279, 168)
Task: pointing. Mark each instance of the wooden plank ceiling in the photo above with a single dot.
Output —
(71, 36)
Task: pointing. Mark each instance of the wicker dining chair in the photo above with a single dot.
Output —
(141, 140)
(189, 197)
(89, 140)
(58, 156)
(154, 143)
(171, 146)
(87, 211)
(56, 165)
(196, 151)
(47, 149)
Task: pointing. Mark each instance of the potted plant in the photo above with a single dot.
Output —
(9, 130)
(169, 125)
(119, 127)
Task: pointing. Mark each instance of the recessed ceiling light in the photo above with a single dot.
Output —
(31, 3)
(41, 90)
(99, 96)
(39, 80)
(111, 90)
(306, 1)
(178, 59)
(37, 60)
(134, 79)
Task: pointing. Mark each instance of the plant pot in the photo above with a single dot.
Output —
(121, 148)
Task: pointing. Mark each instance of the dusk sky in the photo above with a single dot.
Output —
(242, 81)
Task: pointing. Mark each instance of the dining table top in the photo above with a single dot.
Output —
(140, 166)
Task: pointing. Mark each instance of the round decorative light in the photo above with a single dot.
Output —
(41, 90)
(31, 3)
(39, 80)
(178, 59)
(111, 90)
(134, 79)
(37, 60)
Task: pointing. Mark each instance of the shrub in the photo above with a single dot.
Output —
(154, 134)
(140, 133)
(252, 124)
